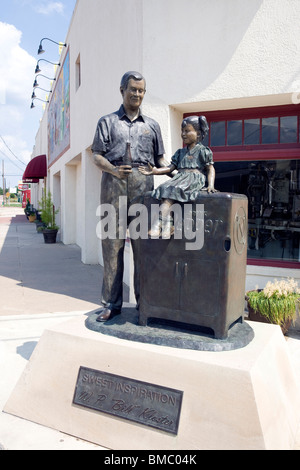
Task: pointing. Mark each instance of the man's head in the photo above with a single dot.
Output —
(133, 89)
(131, 75)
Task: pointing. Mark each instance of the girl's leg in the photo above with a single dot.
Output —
(163, 225)
(167, 222)
(155, 229)
(165, 207)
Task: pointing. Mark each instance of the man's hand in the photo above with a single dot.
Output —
(122, 171)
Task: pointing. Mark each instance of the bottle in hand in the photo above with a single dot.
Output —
(127, 159)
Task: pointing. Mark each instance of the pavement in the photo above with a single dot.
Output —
(40, 286)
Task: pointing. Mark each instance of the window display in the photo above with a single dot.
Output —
(257, 153)
(273, 191)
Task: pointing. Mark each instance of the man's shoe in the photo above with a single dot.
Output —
(107, 314)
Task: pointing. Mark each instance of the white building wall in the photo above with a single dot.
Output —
(199, 55)
(215, 54)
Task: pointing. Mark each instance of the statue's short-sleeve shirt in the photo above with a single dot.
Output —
(115, 130)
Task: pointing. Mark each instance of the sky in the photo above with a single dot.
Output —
(23, 23)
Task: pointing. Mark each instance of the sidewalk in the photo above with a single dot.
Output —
(40, 286)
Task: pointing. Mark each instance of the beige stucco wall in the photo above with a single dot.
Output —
(215, 49)
(198, 55)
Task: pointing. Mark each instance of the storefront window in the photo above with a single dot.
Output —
(288, 129)
(217, 133)
(234, 132)
(251, 131)
(256, 131)
(270, 130)
(273, 191)
(257, 153)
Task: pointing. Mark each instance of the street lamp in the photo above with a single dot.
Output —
(35, 83)
(41, 50)
(33, 94)
(37, 69)
(32, 103)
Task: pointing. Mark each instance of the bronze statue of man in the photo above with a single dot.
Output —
(124, 141)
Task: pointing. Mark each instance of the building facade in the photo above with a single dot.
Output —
(235, 61)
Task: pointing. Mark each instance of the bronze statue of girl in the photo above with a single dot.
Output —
(191, 162)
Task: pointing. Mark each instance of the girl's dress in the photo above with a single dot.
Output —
(185, 185)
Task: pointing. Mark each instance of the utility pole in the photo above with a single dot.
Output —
(3, 183)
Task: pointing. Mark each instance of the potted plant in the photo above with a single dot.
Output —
(31, 216)
(27, 208)
(277, 303)
(40, 226)
(30, 212)
(48, 214)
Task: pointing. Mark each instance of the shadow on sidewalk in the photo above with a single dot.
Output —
(26, 349)
(41, 268)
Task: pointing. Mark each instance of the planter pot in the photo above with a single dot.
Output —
(31, 218)
(50, 235)
(256, 316)
(40, 226)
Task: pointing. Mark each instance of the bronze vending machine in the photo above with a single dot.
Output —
(194, 283)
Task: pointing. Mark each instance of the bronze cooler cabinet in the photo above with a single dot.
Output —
(203, 287)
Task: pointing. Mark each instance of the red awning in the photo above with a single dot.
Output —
(35, 170)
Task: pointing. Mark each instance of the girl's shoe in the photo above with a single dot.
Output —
(167, 227)
(155, 230)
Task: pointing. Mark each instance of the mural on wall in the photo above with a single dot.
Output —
(59, 114)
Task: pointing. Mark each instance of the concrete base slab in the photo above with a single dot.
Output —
(242, 399)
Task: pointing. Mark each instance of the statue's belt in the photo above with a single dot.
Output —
(133, 164)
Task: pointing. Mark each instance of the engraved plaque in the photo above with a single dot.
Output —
(142, 402)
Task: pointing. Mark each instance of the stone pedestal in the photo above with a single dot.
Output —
(246, 398)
